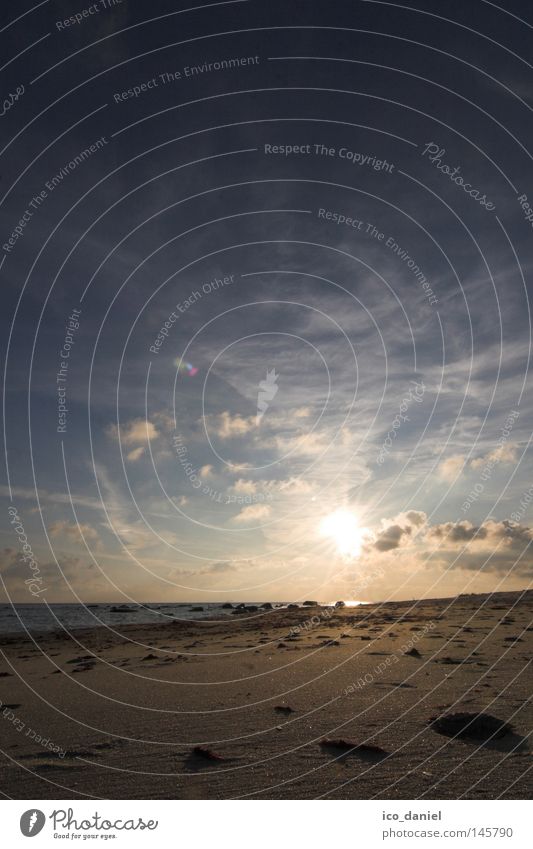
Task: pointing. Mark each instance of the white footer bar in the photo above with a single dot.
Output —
(265, 824)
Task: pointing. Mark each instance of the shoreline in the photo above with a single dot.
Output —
(256, 613)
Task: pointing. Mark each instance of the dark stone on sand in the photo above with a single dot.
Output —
(338, 743)
(252, 608)
(266, 606)
(227, 606)
(476, 726)
(346, 745)
(284, 709)
(413, 653)
(340, 604)
(206, 754)
(150, 657)
(450, 661)
(83, 667)
(196, 609)
(292, 607)
(310, 603)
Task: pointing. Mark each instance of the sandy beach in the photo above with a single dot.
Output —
(377, 701)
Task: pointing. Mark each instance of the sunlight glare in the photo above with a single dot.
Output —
(343, 528)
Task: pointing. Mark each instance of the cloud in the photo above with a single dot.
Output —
(502, 454)
(133, 535)
(488, 535)
(220, 567)
(451, 467)
(10, 561)
(295, 486)
(165, 421)
(456, 532)
(81, 575)
(238, 468)
(399, 530)
(73, 531)
(206, 471)
(134, 432)
(226, 426)
(416, 517)
(252, 513)
(491, 546)
(135, 454)
(245, 487)
(28, 494)
(290, 486)
(391, 537)
(304, 445)
(503, 547)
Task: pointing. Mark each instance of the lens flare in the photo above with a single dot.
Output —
(186, 368)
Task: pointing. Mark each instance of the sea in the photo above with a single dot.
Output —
(39, 617)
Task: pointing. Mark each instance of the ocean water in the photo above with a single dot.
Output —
(42, 617)
(18, 618)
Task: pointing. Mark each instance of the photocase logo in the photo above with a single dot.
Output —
(267, 392)
(32, 822)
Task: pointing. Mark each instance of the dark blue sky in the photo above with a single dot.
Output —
(336, 194)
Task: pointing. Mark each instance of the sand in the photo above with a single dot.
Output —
(98, 714)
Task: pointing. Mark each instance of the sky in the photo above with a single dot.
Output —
(266, 324)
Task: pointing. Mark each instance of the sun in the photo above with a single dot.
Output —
(344, 529)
